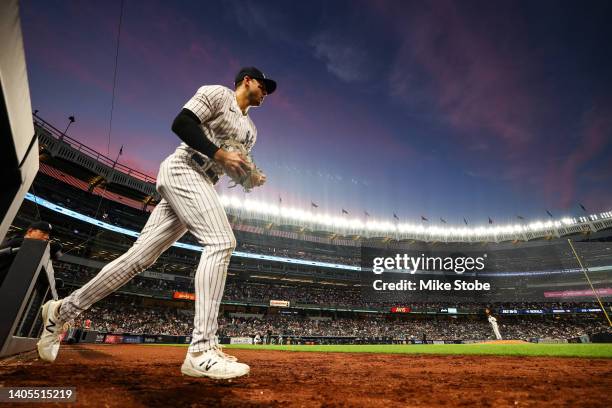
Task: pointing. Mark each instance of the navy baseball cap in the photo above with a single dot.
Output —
(256, 74)
(41, 226)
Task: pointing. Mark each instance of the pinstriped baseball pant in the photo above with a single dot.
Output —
(189, 203)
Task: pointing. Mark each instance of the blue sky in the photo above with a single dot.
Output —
(443, 109)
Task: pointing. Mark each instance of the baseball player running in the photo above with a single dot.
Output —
(186, 179)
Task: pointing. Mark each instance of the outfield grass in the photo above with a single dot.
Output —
(545, 350)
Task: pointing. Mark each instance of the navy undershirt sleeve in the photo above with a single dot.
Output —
(186, 125)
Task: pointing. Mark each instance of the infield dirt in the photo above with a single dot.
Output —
(149, 376)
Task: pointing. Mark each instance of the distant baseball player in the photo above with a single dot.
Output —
(214, 116)
(493, 322)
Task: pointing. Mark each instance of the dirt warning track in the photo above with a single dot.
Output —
(149, 376)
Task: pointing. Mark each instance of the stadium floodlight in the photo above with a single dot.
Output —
(297, 214)
(342, 222)
(435, 230)
(360, 224)
(275, 210)
(337, 222)
(286, 212)
(350, 223)
(382, 226)
(258, 206)
(304, 216)
(356, 224)
(536, 225)
(268, 209)
(325, 219)
(375, 226)
(406, 228)
(249, 205)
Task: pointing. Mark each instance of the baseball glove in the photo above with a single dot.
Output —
(253, 173)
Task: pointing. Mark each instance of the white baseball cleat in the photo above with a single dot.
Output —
(214, 363)
(49, 343)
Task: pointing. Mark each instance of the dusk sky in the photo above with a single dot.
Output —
(445, 109)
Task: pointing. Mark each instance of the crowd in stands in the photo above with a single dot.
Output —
(78, 275)
(524, 328)
(516, 328)
(328, 295)
(449, 329)
(127, 316)
(124, 317)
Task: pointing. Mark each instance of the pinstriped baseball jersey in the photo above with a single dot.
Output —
(221, 118)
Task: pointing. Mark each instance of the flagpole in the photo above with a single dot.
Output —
(119, 154)
(71, 120)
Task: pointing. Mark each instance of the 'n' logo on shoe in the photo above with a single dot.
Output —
(208, 364)
(50, 326)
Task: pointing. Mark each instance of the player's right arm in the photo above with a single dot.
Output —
(203, 106)
(186, 125)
